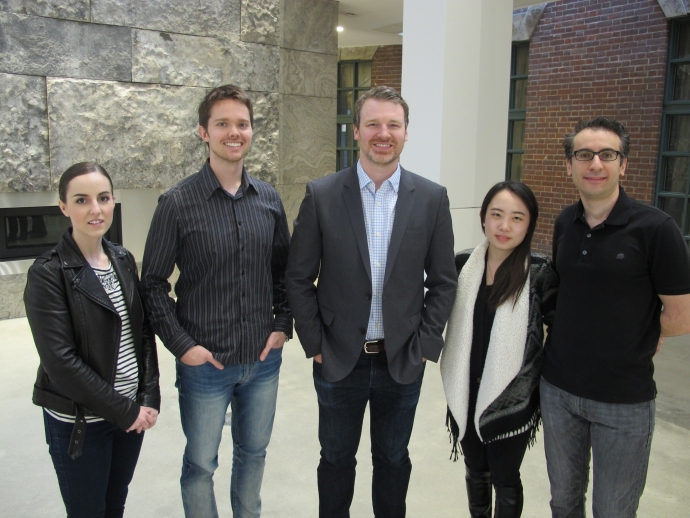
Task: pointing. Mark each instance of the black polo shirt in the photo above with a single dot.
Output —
(607, 317)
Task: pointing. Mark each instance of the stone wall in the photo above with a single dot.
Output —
(118, 82)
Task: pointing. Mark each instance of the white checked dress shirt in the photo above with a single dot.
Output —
(379, 213)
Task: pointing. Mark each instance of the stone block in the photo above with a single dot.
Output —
(25, 165)
(64, 9)
(144, 135)
(201, 17)
(307, 142)
(360, 53)
(308, 73)
(48, 47)
(292, 196)
(12, 296)
(263, 160)
(525, 21)
(261, 21)
(310, 25)
(177, 59)
(674, 8)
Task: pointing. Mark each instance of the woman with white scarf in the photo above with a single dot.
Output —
(493, 350)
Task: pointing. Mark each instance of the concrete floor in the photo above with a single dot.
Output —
(28, 486)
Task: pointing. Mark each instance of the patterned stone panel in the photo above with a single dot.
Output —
(200, 17)
(307, 143)
(144, 135)
(168, 58)
(12, 296)
(48, 47)
(24, 162)
(310, 25)
(65, 9)
(263, 161)
(308, 73)
(292, 196)
(261, 21)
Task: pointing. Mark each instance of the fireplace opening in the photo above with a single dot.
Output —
(27, 232)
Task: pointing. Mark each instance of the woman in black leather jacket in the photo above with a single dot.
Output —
(98, 377)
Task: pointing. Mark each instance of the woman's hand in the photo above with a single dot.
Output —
(146, 419)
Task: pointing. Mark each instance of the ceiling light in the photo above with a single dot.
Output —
(339, 28)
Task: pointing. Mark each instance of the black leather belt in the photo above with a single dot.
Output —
(374, 346)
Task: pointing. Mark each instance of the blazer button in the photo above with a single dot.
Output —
(368, 296)
(362, 330)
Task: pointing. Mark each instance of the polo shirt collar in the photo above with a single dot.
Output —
(364, 179)
(209, 183)
(620, 214)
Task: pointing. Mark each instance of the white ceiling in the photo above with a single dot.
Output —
(378, 22)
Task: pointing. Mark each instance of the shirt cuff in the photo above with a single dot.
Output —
(180, 344)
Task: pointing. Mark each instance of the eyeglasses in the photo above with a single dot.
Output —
(605, 155)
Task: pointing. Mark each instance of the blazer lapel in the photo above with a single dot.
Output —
(403, 210)
(353, 203)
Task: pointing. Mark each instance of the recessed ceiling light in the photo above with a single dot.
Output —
(339, 28)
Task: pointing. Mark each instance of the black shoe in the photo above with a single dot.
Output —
(508, 502)
(478, 493)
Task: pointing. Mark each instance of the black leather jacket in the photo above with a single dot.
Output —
(77, 329)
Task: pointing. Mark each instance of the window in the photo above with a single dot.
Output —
(673, 188)
(354, 77)
(517, 110)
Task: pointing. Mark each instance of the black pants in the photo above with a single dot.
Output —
(502, 457)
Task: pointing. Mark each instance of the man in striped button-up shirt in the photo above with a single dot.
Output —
(227, 233)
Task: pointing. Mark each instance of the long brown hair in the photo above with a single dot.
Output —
(511, 275)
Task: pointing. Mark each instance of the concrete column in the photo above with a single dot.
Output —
(456, 79)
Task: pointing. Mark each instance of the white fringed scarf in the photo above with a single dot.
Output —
(506, 344)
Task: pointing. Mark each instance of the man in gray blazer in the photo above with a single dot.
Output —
(376, 236)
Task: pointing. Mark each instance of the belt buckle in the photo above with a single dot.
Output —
(367, 342)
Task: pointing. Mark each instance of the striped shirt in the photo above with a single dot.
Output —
(231, 252)
(379, 213)
(127, 372)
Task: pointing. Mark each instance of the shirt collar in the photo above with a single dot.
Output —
(209, 182)
(620, 214)
(364, 179)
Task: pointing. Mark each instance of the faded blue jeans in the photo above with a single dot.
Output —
(616, 436)
(204, 395)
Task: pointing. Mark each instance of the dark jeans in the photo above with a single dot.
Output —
(95, 484)
(502, 458)
(392, 408)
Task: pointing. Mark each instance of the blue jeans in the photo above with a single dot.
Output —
(93, 485)
(204, 396)
(617, 436)
(392, 407)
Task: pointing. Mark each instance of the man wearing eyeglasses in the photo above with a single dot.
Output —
(624, 285)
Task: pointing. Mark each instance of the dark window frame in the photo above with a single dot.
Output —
(671, 109)
(515, 114)
(348, 119)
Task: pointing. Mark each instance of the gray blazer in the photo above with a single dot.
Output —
(330, 242)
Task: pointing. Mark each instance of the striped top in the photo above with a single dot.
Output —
(379, 214)
(127, 373)
(231, 252)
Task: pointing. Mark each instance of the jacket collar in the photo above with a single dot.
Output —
(71, 257)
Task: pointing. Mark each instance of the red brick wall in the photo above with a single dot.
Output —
(589, 58)
(386, 66)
